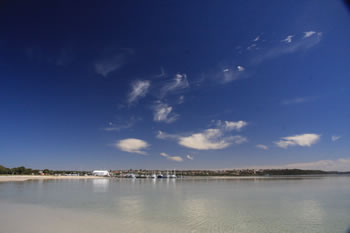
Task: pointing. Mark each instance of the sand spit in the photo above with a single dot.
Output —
(25, 178)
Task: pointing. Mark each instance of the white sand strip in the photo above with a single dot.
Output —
(11, 178)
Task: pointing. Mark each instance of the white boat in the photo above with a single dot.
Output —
(167, 175)
(173, 175)
(154, 176)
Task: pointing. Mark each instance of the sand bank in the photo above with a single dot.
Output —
(25, 178)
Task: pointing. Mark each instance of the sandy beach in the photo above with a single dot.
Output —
(25, 178)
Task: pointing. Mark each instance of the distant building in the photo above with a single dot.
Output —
(100, 173)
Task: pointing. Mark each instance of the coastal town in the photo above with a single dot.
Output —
(171, 173)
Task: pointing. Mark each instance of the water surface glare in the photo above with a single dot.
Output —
(238, 205)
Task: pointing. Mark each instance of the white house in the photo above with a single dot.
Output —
(101, 173)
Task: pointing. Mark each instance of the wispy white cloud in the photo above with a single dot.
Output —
(257, 38)
(210, 139)
(298, 100)
(229, 75)
(223, 74)
(288, 39)
(114, 127)
(335, 138)
(309, 33)
(139, 89)
(133, 145)
(299, 45)
(181, 100)
(238, 139)
(304, 140)
(258, 53)
(172, 158)
(106, 66)
(120, 125)
(163, 113)
(189, 157)
(251, 47)
(240, 68)
(231, 125)
(163, 135)
(162, 73)
(179, 82)
(263, 147)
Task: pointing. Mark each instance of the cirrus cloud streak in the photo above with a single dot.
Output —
(139, 89)
(164, 113)
(172, 158)
(263, 147)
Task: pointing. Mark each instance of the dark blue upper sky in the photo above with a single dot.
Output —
(175, 84)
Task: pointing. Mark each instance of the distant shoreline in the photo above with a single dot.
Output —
(15, 178)
(19, 178)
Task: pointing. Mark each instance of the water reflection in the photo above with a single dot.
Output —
(154, 182)
(196, 211)
(100, 185)
(311, 212)
(180, 205)
(130, 206)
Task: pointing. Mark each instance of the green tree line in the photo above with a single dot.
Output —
(17, 171)
(29, 171)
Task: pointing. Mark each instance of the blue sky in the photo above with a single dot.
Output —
(175, 84)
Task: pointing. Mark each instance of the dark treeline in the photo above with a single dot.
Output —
(294, 172)
(29, 171)
(17, 171)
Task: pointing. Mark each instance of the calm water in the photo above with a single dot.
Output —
(316, 204)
